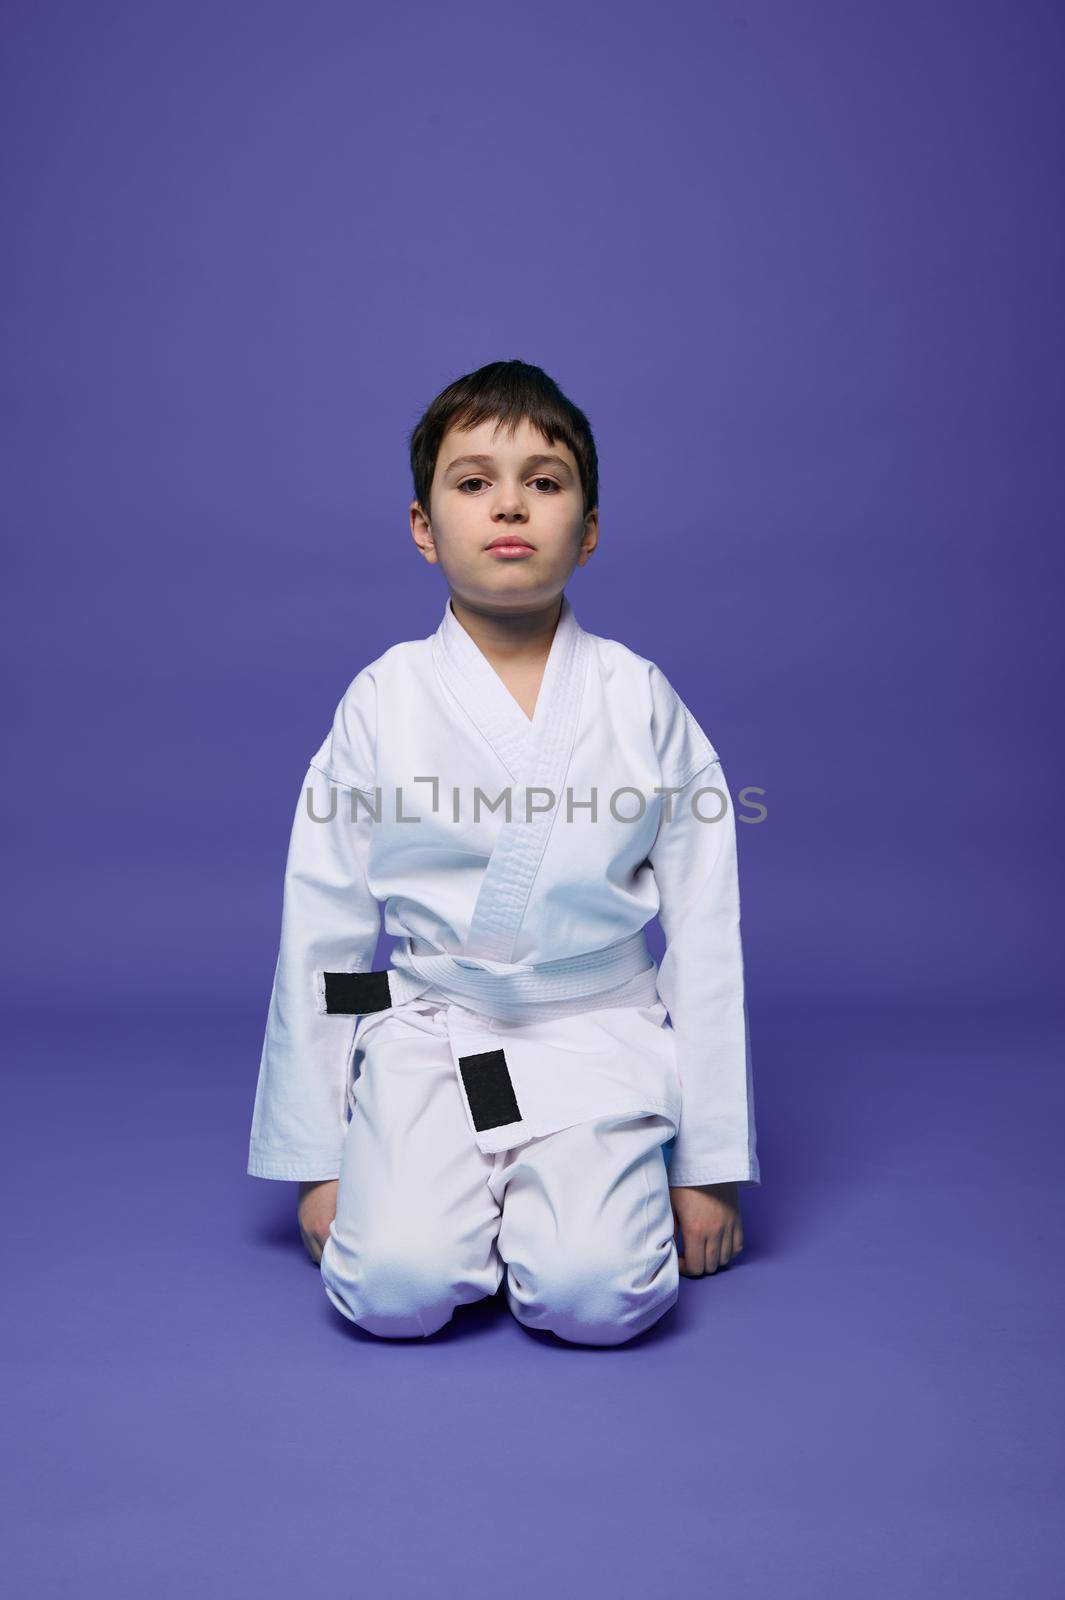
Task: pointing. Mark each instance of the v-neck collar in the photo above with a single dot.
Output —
(486, 698)
(536, 753)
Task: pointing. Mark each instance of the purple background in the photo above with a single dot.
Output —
(801, 265)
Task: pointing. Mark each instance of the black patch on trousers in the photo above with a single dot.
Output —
(489, 1089)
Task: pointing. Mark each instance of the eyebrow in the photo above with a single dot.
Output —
(530, 461)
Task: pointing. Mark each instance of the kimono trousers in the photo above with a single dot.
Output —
(513, 1076)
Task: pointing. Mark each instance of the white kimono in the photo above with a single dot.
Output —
(528, 931)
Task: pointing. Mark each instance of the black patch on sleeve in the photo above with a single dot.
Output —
(352, 994)
(489, 1090)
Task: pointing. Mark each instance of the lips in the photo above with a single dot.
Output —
(510, 539)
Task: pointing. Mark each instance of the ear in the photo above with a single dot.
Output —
(422, 533)
(589, 537)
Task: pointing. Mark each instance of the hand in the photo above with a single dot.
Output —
(316, 1210)
(708, 1215)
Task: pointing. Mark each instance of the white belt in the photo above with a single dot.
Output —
(619, 974)
(500, 986)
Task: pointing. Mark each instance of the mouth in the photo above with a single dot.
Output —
(509, 541)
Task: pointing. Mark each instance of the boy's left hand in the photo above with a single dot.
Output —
(708, 1215)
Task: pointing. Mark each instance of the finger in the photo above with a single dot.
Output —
(694, 1255)
(725, 1253)
(713, 1252)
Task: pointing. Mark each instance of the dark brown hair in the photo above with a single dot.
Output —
(509, 391)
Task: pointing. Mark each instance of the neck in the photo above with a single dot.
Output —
(510, 635)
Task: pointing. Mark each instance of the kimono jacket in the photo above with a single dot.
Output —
(517, 862)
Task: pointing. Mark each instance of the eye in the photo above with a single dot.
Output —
(549, 481)
(467, 481)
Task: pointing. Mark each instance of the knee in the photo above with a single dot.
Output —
(392, 1288)
(593, 1299)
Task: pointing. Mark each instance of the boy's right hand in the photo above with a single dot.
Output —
(316, 1210)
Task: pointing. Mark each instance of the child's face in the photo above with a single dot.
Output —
(521, 485)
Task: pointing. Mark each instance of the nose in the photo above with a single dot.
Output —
(509, 506)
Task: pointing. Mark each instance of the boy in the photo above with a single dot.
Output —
(523, 797)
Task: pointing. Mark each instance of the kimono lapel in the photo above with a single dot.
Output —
(536, 754)
(480, 691)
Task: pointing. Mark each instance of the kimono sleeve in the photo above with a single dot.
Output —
(330, 922)
(700, 979)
